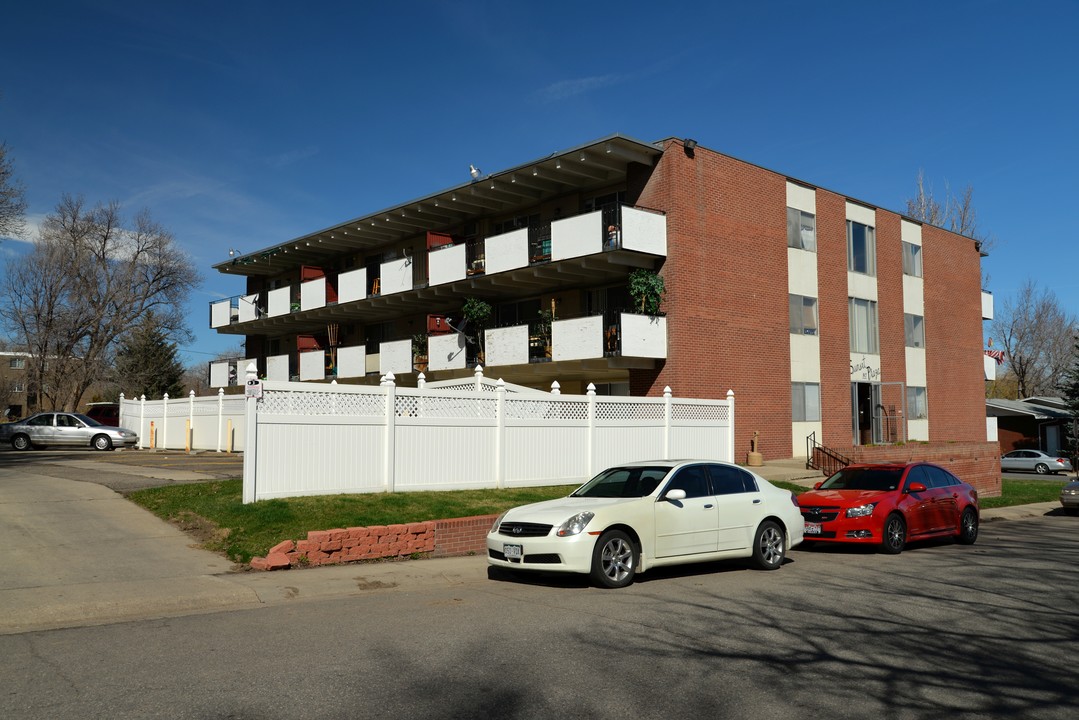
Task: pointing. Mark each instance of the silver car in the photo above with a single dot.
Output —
(1069, 497)
(63, 429)
(1035, 460)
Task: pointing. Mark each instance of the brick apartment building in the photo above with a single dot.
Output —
(826, 315)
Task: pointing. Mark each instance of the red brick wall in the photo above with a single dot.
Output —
(977, 463)
(834, 318)
(726, 300)
(893, 341)
(462, 536)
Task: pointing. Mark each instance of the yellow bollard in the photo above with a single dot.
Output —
(187, 435)
(153, 436)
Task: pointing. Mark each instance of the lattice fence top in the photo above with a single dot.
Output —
(546, 409)
(289, 402)
(699, 411)
(439, 406)
(630, 410)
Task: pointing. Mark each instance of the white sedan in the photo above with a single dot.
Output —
(631, 518)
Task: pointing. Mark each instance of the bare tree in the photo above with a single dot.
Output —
(1036, 334)
(12, 198)
(955, 213)
(88, 280)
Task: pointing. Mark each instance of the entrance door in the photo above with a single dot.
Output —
(864, 399)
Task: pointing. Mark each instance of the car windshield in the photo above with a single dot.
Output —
(623, 482)
(864, 479)
(87, 420)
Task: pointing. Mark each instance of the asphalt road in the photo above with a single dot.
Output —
(942, 630)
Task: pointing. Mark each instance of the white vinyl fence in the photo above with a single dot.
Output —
(215, 422)
(314, 439)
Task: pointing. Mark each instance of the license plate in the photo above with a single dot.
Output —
(812, 528)
(512, 552)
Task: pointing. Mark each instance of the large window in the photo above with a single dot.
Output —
(861, 248)
(912, 259)
(801, 230)
(805, 402)
(916, 406)
(16, 363)
(863, 325)
(803, 312)
(914, 326)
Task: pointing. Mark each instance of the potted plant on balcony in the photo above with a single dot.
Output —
(543, 328)
(419, 352)
(476, 313)
(647, 288)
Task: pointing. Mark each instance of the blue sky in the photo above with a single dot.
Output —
(244, 124)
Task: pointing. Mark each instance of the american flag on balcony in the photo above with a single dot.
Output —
(997, 355)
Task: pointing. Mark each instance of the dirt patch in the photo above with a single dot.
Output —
(205, 531)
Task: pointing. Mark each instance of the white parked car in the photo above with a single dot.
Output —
(634, 517)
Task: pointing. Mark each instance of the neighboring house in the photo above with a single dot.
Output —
(828, 316)
(1036, 423)
(15, 398)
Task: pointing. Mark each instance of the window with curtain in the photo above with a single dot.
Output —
(863, 325)
(801, 230)
(916, 405)
(803, 315)
(805, 402)
(861, 248)
(914, 327)
(912, 259)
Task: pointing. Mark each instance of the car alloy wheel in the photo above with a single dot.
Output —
(1041, 469)
(20, 442)
(895, 535)
(102, 442)
(968, 527)
(769, 546)
(614, 560)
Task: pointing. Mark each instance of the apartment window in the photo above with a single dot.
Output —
(861, 248)
(16, 364)
(801, 230)
(803, 312)
(805, 402)
(17, 386)
(863, 325)
(916, 405)
(912, 259)
(914, 326)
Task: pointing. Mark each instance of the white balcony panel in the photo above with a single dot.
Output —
(219, 374)
(990, 367)
(644, 231)
(987, 306)
(396, 276)
(248, 309)
(577, 236)
(506, 346)
(446, 264)
(352, 361)
(396, 357)
(447, 352)
(278, 302)
(313, 294)
(313, 365)
(352, 285)
(507, 251)
(578, 339)
(277, 367)
(220, 314)
(644, 336)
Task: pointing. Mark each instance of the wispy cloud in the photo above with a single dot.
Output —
(565, 89)
(293, 156)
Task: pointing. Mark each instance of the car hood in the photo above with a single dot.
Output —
(555, 512)
(841, 498)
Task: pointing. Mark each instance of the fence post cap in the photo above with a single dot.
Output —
(252, 371)
(191, 394)
(667, 391)
(730, 394)
(591, 389)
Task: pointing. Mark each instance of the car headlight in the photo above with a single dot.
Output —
(861, 510)
(498, 521)
(575, 524)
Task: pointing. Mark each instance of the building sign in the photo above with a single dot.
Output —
(865, 370)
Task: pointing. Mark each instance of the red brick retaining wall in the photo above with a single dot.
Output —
(440, 538)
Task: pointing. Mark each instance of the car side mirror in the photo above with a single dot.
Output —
(816, 485)
(676, 494)
(916, 487)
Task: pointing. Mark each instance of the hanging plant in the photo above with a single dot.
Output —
(647, 289)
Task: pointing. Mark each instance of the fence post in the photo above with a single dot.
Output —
(591, 454)
(421, 380)
(500, 435)
(730, 434)
(250, 435)
(388, 447)
(667, 423)
(190, 420)
(556, 389)
(479, 377)
(142, 418)
(220, 415)
(120, 419)
(165, 421)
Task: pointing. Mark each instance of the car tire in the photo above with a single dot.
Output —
(1041, 469)
(21, 442)
(968, 527)
(101, 442)
(894, 536)
(614, 560)
(769, 546)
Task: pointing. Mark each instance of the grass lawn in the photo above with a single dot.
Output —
(214, 511)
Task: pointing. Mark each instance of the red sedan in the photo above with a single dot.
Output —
(888, 505)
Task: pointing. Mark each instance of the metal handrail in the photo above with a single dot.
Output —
(819, 457)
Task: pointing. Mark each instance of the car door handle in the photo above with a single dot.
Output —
(757, 501)
(709, 505)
